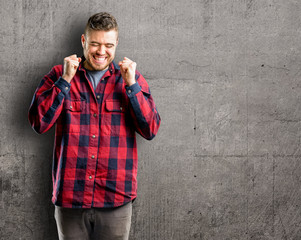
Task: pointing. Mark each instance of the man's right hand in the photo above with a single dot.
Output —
(71, 64)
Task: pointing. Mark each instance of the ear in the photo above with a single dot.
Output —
(83, 40)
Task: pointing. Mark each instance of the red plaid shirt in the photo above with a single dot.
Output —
(95, 152)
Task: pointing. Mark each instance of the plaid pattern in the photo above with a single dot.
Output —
(95, 152)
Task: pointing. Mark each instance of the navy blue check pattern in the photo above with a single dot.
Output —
(95, 152)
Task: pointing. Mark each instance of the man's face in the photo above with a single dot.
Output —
(99, 49)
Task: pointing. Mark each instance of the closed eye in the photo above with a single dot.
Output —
(94, 44)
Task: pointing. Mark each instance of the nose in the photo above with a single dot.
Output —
(101, 50)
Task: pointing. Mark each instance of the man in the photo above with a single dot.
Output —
(97, 106)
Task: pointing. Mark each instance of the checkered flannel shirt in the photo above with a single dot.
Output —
(95, 151)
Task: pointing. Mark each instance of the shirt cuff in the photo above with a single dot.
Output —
(133, 89)
(63, 85)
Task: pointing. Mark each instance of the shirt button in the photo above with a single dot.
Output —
(70, 107)
(121, 108)
(95, 115)
(98, 97)
(93, 136)
(90, 177)
(66, 88)
(93, 156)
(129, 91)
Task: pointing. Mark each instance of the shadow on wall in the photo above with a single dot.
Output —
(68, 42)
(38, 148)
(72, 43)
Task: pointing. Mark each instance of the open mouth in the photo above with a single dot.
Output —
(99, 60)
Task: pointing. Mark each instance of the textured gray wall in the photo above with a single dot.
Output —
(225, 75)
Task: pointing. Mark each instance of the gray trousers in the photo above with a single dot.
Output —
(94, 223)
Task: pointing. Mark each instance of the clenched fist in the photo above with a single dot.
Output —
(71, 64)
(128, 71)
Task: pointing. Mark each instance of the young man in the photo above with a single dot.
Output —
(97, 106)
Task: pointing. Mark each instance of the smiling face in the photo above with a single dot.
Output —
(99, 48)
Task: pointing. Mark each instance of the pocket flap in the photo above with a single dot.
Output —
(75, 105)
(114, 106)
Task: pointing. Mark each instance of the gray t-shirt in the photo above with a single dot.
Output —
(95, 76)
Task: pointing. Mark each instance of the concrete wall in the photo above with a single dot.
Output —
(225, 75)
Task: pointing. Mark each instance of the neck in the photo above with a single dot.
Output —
(87, 66)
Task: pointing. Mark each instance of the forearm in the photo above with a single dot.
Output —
(47, 103)
(143, 111)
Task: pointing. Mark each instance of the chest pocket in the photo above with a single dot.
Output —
(113, 119)
(75, 105)
(73, 115)
(114, 106)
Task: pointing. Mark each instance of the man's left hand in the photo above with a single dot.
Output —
(128, 71)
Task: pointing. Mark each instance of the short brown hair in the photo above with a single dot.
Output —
(101, 21)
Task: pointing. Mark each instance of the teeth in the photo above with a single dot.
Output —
(100, 59)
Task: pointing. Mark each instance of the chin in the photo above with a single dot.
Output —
(98, 68)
